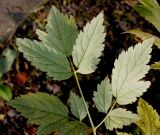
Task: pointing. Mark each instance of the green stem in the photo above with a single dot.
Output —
(106, 116)
(80, 90)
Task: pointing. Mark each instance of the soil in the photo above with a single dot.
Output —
(120, 16)
(12, 14)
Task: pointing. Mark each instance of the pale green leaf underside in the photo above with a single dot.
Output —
(73, 128)
(89, 45)
(103, 97)
(5, 92)
(6, 60)
(130, 67)
(61, 32)
(77, 106)
(40, 108)
(150, 10)
(45, 58)
(149, 119)
(156, 65)
(120, 117)
(144, 35)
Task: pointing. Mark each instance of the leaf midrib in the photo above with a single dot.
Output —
(118, 91)
(38, 109)
(88, 42)
(60, 37)
(30, 55)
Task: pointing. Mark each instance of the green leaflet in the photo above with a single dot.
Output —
(45, 129)
(103, 97)
(149, 119)
(144, 35)
(129, 69)
(61, 32)
(73, 128)
(77, 106)
(156, 65)
(41, 109)
(57, 43)
(89, 45)
(45, 58)
(119, 117)
(6, 60)
(150, 9)
(5, 92)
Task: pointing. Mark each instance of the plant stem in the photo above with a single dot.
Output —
(80, 90)
(106, 116)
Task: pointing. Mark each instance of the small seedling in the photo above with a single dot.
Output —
(6, 61)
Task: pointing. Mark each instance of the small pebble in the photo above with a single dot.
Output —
(11, 113)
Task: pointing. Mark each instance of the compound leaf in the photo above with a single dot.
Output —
(156, 65)
(77, 106)
(5, 92)
(144, 35)
(150, 9)
(45, 58)
(119, 117)
(89, 45)
(129, 69)
(6, 60)
(103, 97)
(61, 32)
(149, 119)
(74, 128)
(41, 108)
